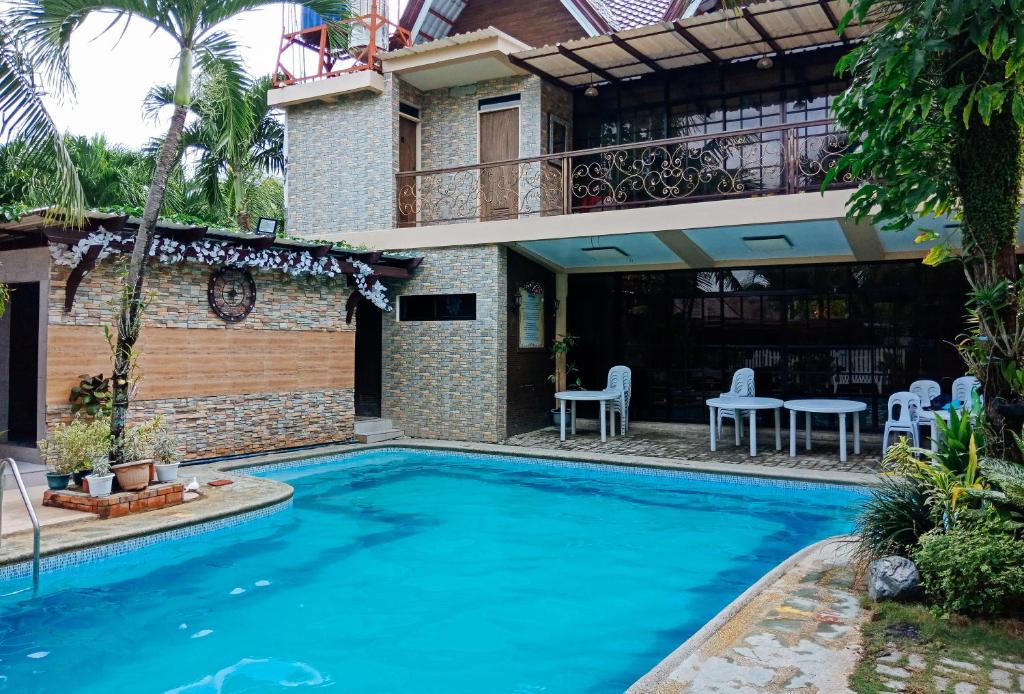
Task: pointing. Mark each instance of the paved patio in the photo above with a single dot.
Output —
(690, 442)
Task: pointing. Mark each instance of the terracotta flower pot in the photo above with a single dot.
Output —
(133, 476)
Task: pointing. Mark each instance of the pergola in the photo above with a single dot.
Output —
(766, 29)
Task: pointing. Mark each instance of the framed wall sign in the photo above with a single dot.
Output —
(531, 316)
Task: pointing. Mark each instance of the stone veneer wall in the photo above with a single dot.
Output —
(341, 163)
(258, 409)
(449, 131)
(446, 379)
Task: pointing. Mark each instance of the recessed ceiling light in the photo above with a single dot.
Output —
(606, 254)
(763, 244)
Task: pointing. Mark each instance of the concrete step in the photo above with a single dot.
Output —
(373, 426)
(378, 436)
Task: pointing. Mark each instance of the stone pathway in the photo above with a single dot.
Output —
(903, 670)
(691, 442)
(800, 633)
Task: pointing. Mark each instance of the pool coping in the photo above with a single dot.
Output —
(856, 479)
(16, 549)
(660, 674)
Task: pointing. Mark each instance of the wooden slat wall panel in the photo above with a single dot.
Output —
(184, 362)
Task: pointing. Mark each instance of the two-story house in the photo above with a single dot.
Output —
(642, 174)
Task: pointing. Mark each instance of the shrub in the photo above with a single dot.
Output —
(975, 569)
(894, 518)
(72, 447)
(166, 447)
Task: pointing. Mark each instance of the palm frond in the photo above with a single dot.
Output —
(23, 116)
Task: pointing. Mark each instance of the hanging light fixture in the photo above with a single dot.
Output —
(765, 62)
(591, 90)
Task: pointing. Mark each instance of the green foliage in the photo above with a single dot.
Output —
(560, 348)
(73, 447)
(955, 440)
(166, 446)
(91, 395)
(138, 441)
(950, 495)
(894, 518)
(975, 569)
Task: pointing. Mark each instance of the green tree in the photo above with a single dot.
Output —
(238, 141)
(936, 105)
(204, 46)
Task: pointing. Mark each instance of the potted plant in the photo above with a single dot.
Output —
(58, 476)
(136, 450)
(71, 448)
(101, 478)
(166, 456)
(560, 348)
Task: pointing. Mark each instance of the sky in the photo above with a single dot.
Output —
(113, 72)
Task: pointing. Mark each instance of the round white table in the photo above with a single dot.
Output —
(745, 404)
(841, 408)
(602, 396)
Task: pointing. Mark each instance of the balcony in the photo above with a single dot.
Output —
(770, 160)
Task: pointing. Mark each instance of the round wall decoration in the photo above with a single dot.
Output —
(232, 293)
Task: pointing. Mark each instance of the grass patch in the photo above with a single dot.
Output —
(912, 628)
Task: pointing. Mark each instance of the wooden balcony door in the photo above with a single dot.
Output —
(499, 185)
(408, 153)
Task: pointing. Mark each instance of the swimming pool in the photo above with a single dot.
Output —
(400, 570)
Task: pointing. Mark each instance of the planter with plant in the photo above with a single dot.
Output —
(71, 448)
(571, 380)
(101, 479)
(91, 396)
(135, 448)
(166, 455)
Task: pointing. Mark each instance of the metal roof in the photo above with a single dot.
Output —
(767, 28)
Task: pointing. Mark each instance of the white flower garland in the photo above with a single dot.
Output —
(167, 250)
(375, 293)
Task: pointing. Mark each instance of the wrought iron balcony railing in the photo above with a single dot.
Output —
(772, 160)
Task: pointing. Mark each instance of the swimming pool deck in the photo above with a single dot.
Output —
(806, 597)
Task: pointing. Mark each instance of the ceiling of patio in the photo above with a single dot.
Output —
(826, 240)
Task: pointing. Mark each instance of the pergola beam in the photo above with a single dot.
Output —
(693, 41)
(765, 36)
(831, 16)
(625, 46)
(529, 67)
(587, 65)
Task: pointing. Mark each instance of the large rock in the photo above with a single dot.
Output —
(893, 578)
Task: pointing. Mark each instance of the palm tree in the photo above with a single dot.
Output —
(239, 142)
(196, 27)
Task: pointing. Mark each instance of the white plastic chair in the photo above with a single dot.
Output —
(742, 387)
(620, 379)
(909, 407)
(926, 390)
(962, 389)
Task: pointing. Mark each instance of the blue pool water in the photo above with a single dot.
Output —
(401, 571)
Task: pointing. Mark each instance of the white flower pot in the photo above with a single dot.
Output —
(166, 472)
(100, 485)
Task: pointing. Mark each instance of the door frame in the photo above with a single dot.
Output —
(512, 105)
(419, 159)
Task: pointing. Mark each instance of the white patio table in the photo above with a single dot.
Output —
(573, 396)
(841, 408)
(745, 404)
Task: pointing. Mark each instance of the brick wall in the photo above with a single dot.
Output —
(446, 379)
(342, 159)
(530, 394)
(249, 400)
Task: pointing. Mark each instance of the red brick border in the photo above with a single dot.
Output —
(120, 504)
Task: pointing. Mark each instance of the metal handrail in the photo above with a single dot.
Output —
(664, 142)
(9, 462)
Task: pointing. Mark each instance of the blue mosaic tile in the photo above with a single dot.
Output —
(68, 560)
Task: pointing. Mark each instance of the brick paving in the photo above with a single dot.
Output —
(690, 442)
